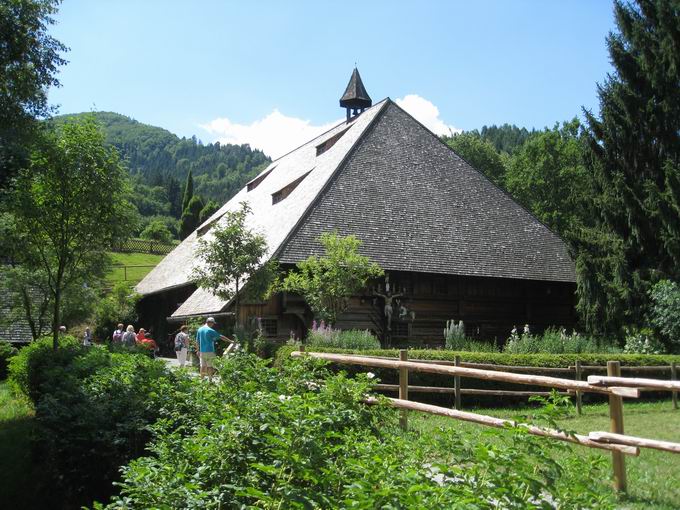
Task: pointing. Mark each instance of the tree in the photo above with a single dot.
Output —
(157, 231)
(190, 217)
(174, 197)
(634, 157)
(327, 282)
(233, 257)
(29, 59)
(210, 208)
(188, 192)
(480, 153)
(548, 177)
(64, 208)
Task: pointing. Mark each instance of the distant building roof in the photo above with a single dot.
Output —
(415, 204)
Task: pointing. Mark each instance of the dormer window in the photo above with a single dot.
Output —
(323, 147)
(288, 189)
(256, 182)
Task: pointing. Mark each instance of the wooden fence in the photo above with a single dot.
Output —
(612, 385)
(143, 246)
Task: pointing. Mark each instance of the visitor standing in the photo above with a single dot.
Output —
(117, 337)
(130, 337)
(206, 337)
(182, 345)
(141, 335)
(87, 338)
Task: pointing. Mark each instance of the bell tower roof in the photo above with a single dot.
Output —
(355, 96)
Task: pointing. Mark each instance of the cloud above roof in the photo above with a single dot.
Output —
(277, 134)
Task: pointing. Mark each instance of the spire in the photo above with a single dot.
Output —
(355, 99)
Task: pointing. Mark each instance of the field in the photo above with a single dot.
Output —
(132, 275)
(653, 477)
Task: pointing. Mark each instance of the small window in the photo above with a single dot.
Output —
(323, 147)
(256, 182)
(288, 189)
(269, 327)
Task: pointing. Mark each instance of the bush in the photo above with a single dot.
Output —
(325, 336)
(555, 341)
(117, 307)
(642, 341)
(157, 231)
(7, 351)
(665, 311)
(302, 437)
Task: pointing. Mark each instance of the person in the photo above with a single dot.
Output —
(141, 335)
(62, 330)
(87, 338)
(182, 345)
(117, 337)
(206, 337)
(149, 343)
(129, 337)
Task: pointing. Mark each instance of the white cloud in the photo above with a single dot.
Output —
(276, 134)
(427, 114)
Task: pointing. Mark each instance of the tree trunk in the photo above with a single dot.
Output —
(236, 298)
(57, 318)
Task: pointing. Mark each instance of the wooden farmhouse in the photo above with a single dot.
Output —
(453, 245)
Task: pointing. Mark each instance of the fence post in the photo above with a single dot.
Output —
(616, 426)
(456, 383)
(125, 273)
(403, 389)
(302, 348)
(674, 377)
(578, 392)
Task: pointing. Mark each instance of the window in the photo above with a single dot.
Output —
(269, 327)
(288, 189)
(323, 147)
(256, 182)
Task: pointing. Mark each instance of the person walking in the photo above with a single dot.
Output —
(141, 335)
(129, 337)
(87, 338)
(206, 337)
(182, 345)
(117, 337)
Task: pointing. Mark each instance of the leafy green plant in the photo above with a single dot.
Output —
(323, 335)
(156, 230)
(117, 307)
(7, 351)
(455, 339)
(642, 341)
(556, 341)
(665, 311)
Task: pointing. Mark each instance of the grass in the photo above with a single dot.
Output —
(653, 477)
(22, 480)
(133, 275)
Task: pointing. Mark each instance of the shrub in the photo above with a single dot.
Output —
(555, 341)
(322, 335)
(7, 351)
(665, 311)
(117, 307)
(642, 341)
(302, 437)
(157, 231)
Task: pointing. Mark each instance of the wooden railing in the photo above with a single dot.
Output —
(613, 385)
(143, 246)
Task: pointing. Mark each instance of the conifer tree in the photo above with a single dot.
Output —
(188, 191)
(210, 208)
(633, 155)
(190, 217)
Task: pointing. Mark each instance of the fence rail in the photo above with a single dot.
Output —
(143, 246)
(615, 386)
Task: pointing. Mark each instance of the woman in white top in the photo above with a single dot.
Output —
(182, 345)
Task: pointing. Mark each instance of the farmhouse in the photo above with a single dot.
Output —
(452, 244)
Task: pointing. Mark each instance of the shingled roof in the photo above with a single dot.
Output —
(414, 203)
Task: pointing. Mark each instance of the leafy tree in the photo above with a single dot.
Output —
(327, 282)
(188, 192)
(548, 177)
(210, 208)
(232, 257)
(190, 217)
(634, 157)
(29, 59)
(665, 311)
(64, 211)
(157, 231)
(480, 154)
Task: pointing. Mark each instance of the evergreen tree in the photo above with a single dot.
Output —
(634, 158)
(174, 197)
(210, 208)
(188, 192)
(480, 153)
(190, 217)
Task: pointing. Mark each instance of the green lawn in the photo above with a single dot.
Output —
(131, 274)
(653, 477)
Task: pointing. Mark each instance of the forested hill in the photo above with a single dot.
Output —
(155, 156)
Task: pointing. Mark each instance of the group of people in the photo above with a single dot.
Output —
(206, 336)
(128, 338)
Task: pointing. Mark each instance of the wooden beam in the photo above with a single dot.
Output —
(634, 382)
(490, 421)
(609, 437)
(466, 391)
(616, 423)
(474, 373)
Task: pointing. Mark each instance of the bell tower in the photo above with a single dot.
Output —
(355, 99)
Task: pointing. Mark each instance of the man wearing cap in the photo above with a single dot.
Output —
(206, 337)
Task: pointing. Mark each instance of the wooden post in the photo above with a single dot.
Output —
(578, 393)
(456, 384)
(674, 377)
(403, 389)
(125, 273)
(302, 348)
(616, 426)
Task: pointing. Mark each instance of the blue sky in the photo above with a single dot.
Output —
(270, 73)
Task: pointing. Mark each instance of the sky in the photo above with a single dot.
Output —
(270, 73)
